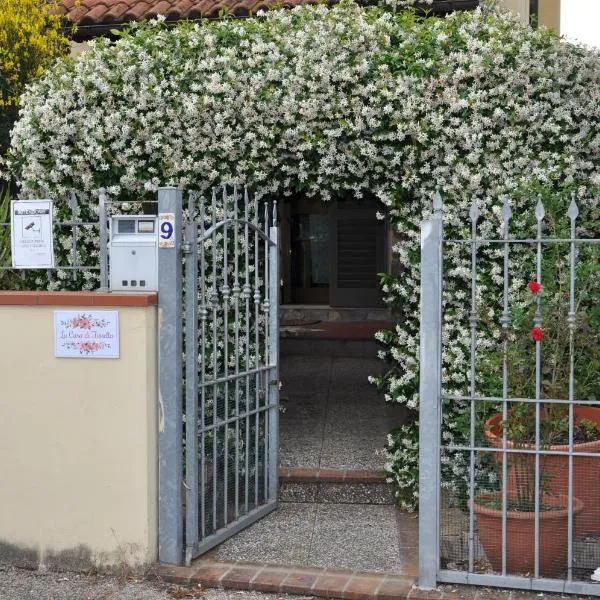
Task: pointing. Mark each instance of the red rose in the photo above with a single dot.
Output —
(537, 334)
(534, 287)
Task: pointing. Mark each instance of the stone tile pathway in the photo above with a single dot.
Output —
(334, 418)
(359, 537)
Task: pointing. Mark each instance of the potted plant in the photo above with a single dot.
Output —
(519, 428)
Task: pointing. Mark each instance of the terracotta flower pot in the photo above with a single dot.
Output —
(520, 535)
(586, 470)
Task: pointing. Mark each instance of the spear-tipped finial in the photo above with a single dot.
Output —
(474, 211)
(573, 211)
(437, 202)
(540, 211)
(274, 213)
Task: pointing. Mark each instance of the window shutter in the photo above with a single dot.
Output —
(358, 253)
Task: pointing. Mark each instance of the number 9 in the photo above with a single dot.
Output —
(166, 230)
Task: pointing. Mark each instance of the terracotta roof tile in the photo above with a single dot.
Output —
(95, 17)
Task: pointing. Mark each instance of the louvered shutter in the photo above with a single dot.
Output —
(357, 246)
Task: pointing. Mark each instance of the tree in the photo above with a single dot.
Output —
(31, 37)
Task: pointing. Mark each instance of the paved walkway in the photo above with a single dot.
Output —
(357, 537)
(334, 418)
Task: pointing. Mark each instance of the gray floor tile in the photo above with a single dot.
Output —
(340, 453)
(300, 450)
(360, 537)
(283, 537)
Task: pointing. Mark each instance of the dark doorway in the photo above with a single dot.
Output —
(332, 252)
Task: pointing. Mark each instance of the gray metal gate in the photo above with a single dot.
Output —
(225, 456)
(497, 508)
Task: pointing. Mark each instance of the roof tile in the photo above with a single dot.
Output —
(96, 13)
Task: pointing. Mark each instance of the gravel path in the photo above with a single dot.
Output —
(20, 584)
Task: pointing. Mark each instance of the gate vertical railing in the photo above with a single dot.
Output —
(463, 554)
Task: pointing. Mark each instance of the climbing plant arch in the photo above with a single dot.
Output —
(326, 101)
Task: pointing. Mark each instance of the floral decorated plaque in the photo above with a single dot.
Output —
(86, 334)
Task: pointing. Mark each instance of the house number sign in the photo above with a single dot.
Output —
(166, 230)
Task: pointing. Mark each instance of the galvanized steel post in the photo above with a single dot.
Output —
(274, 360)
(430, 398)
(170, 519)
(103, 240)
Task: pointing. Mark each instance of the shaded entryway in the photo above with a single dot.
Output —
(336, 511)
(333, 417)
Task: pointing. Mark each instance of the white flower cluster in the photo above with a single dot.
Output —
(328, 102)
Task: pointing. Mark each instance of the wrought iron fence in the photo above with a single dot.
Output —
(74, 266)
(510, 480)
(218, 299)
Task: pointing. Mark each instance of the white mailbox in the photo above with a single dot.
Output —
(133, 256)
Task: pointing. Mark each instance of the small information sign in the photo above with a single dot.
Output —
(32, 234)
(86, 334)
(166, 230)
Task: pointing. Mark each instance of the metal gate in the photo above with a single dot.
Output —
(510, 496)
(227, 349)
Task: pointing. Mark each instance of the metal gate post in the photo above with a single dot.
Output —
(430, 397)
(273, 417)
(170, 417)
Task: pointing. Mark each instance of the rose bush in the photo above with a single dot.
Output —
(329, 102)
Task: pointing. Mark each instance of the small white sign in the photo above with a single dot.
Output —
(166, 230)
(86, 334)
(32, 234)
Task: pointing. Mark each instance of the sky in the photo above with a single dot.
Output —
(580, 20)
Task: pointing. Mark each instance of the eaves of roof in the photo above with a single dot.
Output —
(98, 17)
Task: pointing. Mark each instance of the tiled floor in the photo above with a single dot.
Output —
(358, 537)
(334, 418)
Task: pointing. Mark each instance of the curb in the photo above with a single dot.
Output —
(323, 583)
(330, 475)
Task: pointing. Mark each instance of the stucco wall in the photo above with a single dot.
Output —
(549, 13)
(78, 444)
(520, 7)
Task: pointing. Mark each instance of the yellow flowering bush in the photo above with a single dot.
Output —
(31, 37)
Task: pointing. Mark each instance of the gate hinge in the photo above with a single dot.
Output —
(186, 247)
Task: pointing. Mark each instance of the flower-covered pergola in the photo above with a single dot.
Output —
(330, 101)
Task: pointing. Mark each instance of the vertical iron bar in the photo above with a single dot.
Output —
(203, 318)
(267, 377)
(505, 321)
(430, 396)
(236, 295)
(215, 346)
(191, 377)
(170, 428)
(539, 213)
(273, 316)
(74, 214)
(225, 291)
(103, 239)
(474, 214)
(247, 294)
(256, 347)
(573, 212)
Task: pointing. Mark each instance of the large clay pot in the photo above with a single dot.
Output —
(520, 536)
(586, 470)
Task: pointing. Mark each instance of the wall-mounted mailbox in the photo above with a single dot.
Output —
(133, 250)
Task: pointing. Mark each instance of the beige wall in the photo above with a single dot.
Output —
(548, 11)
(549, 14)
(78, 445)
(519, 7)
